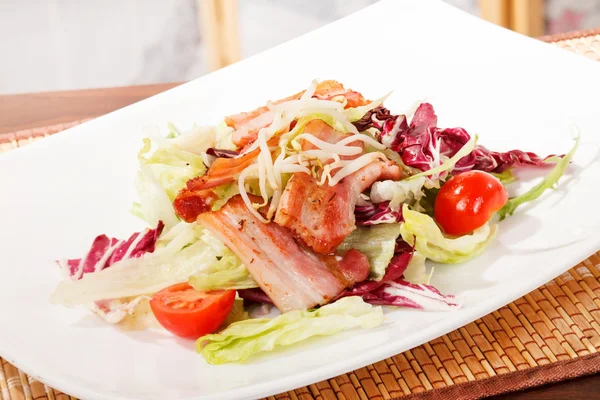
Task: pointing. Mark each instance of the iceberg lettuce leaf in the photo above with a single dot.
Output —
(243, 339)
(377, 242)
(421, 231)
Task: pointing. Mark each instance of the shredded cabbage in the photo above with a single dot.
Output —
(377, 242)
(243, 339)
(421, 231)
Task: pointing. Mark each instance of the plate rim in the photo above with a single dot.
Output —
(305, 378)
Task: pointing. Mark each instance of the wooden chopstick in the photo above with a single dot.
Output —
(218, 20)
(496, 11)
(527, 17)
(523, 16)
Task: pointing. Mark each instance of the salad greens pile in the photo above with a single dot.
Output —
(396, 227)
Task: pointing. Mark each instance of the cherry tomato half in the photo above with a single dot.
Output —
(467, 201)
(188, 313)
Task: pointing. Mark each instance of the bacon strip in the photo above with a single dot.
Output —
(223, 170)
(247, 124)
(198, 194)
(294, 278)
(322, 215)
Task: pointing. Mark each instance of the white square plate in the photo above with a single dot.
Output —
(515, 92)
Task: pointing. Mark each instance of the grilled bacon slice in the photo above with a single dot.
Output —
(247, 124)
(198, 194)
(294, 277)
(322, 215)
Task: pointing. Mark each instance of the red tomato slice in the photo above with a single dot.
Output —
(467, 201)
(188, 313)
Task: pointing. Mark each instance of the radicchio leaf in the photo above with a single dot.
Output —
(398, 265)
(491, 161)
(256, 295)
(222, 153)
(401, 293)
(376, 213)
(374, 118)
(106, 251)
(421, 144)
(394, 290)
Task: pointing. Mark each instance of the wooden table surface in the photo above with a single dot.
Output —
(25, 111)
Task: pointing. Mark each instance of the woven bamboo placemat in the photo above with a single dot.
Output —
(549, 335)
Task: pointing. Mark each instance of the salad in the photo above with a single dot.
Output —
(302, 218)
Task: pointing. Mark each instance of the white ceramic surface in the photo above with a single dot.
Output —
(514, 92)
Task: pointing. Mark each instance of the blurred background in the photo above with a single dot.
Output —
(52, 45)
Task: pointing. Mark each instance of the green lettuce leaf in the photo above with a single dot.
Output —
(427, 202)
(398, 192)
(243, 339)
(163, 172)
(416, 271)
(505, 177)
(224, 193)
(173, 131)
(237, 313)
(226, 273)
(166, 164)
(549, 182)
(431, 243)
(377, 242)
(171, 166)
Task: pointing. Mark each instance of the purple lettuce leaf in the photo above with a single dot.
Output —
(222, 153)
(421, 143)
(106, 251)
(483, 159)
(401, 293)
(394, 290)
(376, 213)
(256, 295)
(394, 271)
